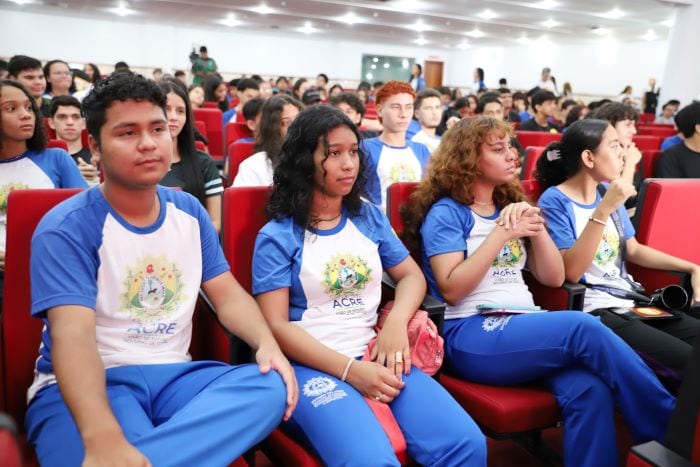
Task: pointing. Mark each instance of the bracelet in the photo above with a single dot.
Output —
(347, 369)
(597, 221)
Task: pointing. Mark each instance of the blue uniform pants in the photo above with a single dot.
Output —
(333, 418)
(182, 414)
(587, 367)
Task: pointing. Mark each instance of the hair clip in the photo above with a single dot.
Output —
(553, 155)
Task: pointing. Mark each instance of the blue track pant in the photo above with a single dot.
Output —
(587, 367)
(334, 420)
(198, 413)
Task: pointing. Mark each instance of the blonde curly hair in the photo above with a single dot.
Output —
(453, 169)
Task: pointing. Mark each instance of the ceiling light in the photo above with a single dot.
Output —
(668, 23)
(475, 33)
(21, 2)
(546, 4)
(404, 64)
(229, 21)
(349, 18)
(421, 41)
(487, 14)
(308, 28)
(615, 13)
(550, 23)
(523, 39)
(386, 65)
(419, 26)
(464, 45)
(122, 10)
(650, 35)
(263, 9)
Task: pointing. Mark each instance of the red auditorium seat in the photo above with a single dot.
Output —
(238, 152)
(10, 453)
(650, 157)
(501, 412)
(532, 189)
(57, 143)
(659, 225)
(657, 130)
(201, 146)
(212, 120)
(644, 142)
(239, 233)
(201, 127)
(647, 118)
(536, 138)
(236, 131)
(209, 105)
(532, 153)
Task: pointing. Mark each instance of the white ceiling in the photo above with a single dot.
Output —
(443, 23)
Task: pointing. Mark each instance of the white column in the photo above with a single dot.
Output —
(681, 78)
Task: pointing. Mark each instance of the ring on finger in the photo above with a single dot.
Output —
(398, 357)
(377, 397)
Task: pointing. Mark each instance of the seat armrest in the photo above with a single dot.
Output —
(576, 293)
(239, 351)
(657, 455)
(434, 307)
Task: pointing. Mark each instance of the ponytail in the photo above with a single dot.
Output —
(550, 169)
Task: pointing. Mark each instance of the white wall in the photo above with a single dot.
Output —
(604, 68)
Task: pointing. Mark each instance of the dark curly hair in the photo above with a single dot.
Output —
(615, 112)
(454, 167)
(37, 142)
(293, 180)
(565, 160)
(118, 87)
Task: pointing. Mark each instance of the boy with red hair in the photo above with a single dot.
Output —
(390, 157)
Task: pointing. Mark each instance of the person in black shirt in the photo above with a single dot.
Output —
(191, 170)
(683, 160)
(544, 104)
(68, 122)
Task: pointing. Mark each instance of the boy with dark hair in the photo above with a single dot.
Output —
(427, 110)
(667, 112)
(247, 89)
(28, 71)
(352, 106)
(252, 110)
(544, 104)
(117, 303)
(179, 74)
(683, 160)
(68, 123)
(506, 98)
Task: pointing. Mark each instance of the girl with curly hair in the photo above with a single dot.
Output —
(317, 270)
(475, 232)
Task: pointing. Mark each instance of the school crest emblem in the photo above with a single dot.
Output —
(5, 192)
(152, 289)
(509, 255)
(345, 274)
(608, 247)
(402, 173)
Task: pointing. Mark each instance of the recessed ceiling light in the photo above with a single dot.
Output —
(476, 33)
(464, 45)
(263, 9)
(419, 26)
(615, 13)
(122, 10)
(421, 41)
(550, 23)
(546, 4)
(308, 28)
(230, 21)
(650, 35)
(487, 14)
(523, 39)
(349, 18)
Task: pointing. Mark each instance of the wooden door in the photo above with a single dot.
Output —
(432, 71)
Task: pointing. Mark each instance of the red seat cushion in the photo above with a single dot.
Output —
(504, 409)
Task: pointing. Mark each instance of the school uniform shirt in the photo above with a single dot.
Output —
(431, 142)
(390, 164)
(333, 276)
(140, 281)
(565, 220)
(451, 226)
(210, 175)
(50, 168)
(255, 171)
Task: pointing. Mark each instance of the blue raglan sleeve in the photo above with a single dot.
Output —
(558, 218)
(272, 260)
(445, 229)
(69, 173)
(373, 185)
(391, 250)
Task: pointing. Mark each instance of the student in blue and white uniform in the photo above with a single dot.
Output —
(391, 157)
(25, 162)
(475, 232)
(581, 226)
(317, 271)
(114, 382)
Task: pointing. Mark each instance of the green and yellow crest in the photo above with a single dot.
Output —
(153, 289)
(509, 255)
(608, 248)
(345, 275)
(5, 193)
(402, 173)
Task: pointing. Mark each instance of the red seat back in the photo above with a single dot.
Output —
(647, 118)
(201, 146)
(244, 215)
(666, 217)
(209, 105)
(213, 120)
(649, 159)
(532, 189)
(645, 142)
(236, 131)
(536, 138)
(662, 131)
(57, 143)
(201, 127)
(238, 152)
(532, 153)
(21, 334)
